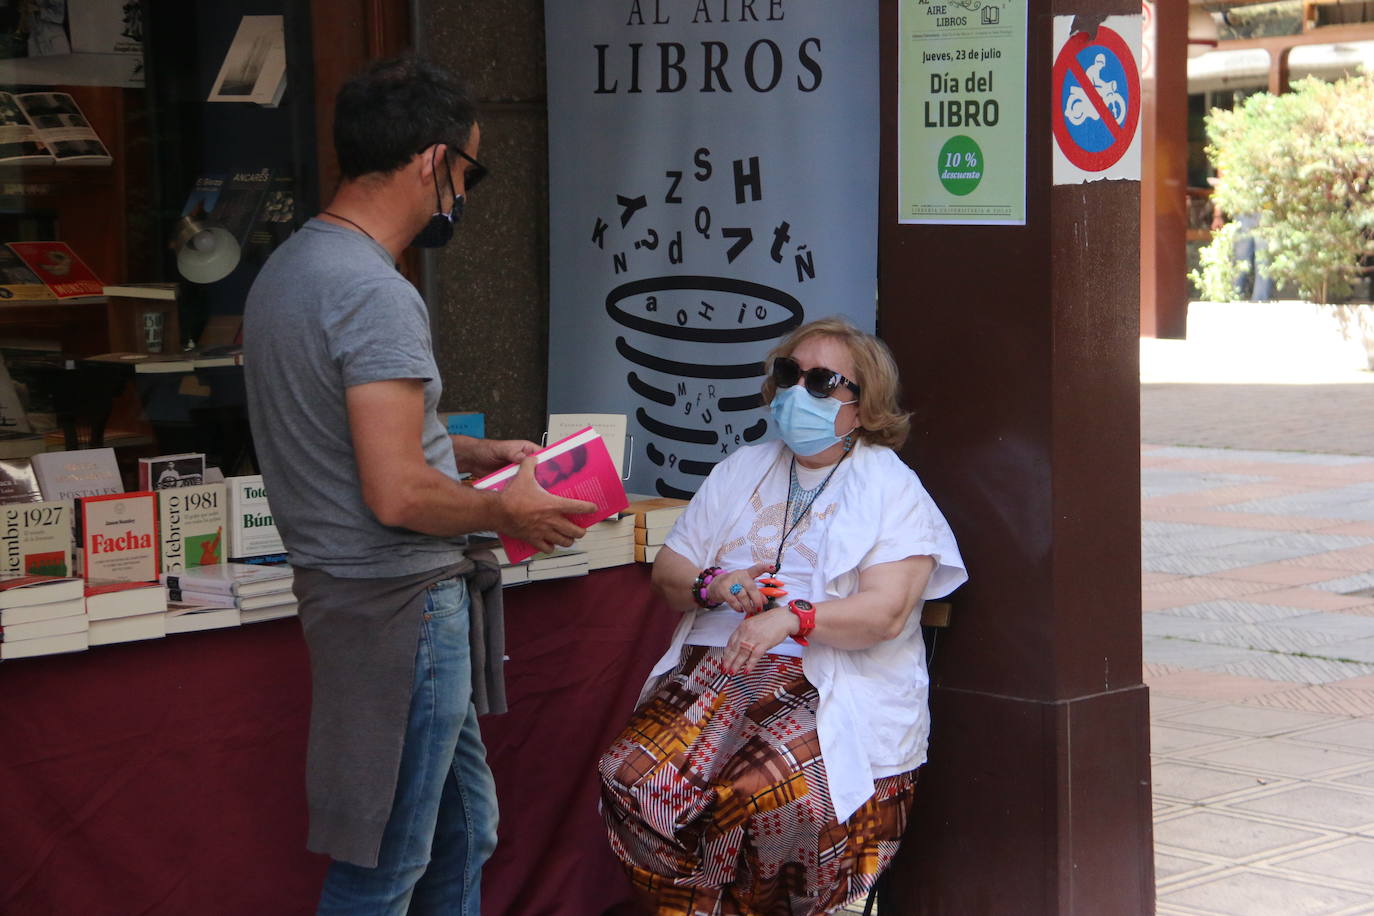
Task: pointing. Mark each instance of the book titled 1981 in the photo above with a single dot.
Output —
(36, 538)
(191, 523)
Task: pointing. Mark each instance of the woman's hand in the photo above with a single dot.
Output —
(748, 598)
(755, 636)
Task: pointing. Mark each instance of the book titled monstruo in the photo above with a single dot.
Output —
(119, 537)
(36, 538)
(191, 525)
(577, 467)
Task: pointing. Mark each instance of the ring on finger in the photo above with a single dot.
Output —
(736, 589)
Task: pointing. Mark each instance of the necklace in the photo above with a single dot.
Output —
(803, 508)
(351, 222)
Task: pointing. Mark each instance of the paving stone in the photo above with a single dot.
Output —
(1193, 782)
(1248, 892)
(1294, 668)
(1350, 860)
(1233, 611)
(1287, 757)
(1318, 806)
(1229, 835)
(1357, 735)
(1246, 720)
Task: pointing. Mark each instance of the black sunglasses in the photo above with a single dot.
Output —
(473, 176)
(820, 382)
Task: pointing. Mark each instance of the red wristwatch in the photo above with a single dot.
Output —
(806, 614)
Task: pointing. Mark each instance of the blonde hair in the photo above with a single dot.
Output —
(881, 420)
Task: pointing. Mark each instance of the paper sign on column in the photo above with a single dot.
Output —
(610, 426)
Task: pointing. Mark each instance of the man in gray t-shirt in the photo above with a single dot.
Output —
(342, 394)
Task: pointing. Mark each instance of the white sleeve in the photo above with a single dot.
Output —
(697, 533)
(912, 526)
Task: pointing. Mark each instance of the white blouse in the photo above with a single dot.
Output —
(873, 718)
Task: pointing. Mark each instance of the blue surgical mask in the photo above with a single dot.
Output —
(805, 422)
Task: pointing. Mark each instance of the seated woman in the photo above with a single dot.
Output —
(771, 764)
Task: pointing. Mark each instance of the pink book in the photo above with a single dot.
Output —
(578, 467)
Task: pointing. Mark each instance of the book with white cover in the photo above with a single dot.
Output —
(129, 629)
(22, 589)
(45, 645)
(250, 603)
(190, 618)
(275, 612)
(254, 69)
(239, 579)
(191, 524)
(84, 472)
(45, 611)
(251, 530)
(57, 626)
(110, 600)
(36, 538)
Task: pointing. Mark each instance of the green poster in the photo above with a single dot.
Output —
(961, 112)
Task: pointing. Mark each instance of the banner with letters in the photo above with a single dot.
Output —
(713, 170)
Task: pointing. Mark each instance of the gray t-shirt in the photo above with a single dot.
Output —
(329, 311)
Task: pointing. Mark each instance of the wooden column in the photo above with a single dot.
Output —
(1018, 351)
(1164, 177)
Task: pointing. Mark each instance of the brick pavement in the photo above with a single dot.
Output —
(1334, 418)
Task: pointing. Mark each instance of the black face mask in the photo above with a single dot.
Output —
(439, 229)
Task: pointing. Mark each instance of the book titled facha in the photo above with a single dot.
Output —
(577, 467)
(119, 537)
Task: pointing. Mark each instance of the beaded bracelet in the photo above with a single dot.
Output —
(702, 583)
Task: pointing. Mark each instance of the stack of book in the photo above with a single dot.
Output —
(654, 517)
(258, 592)
(41, 615)
(125, 611)
(559, 563)
(610, 543)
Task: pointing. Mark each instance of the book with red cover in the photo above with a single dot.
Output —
(119, 538)
(59, 268)
(578, 467)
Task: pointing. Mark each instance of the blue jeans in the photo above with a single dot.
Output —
(442, 826)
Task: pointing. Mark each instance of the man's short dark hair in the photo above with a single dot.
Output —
(395, 109)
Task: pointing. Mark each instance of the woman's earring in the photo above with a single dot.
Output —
(848, 442)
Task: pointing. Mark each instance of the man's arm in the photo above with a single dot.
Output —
(387, 423)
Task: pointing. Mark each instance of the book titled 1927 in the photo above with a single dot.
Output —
(36, 538)
(119, 540)
(191, 523)
(577, 467)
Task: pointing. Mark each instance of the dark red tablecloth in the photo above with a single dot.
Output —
(167, 776)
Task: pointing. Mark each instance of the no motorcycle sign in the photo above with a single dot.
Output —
(1095, 103)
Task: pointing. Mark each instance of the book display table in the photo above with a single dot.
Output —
(167, 776)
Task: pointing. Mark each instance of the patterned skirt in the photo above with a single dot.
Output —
(716, 800)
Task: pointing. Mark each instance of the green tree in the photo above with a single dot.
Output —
(1304, 162)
